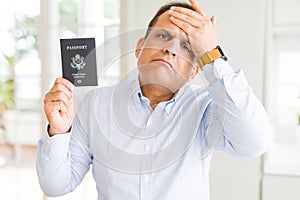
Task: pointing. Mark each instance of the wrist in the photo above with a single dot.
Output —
(210, 56)
(52, 132)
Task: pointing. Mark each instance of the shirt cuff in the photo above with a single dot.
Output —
(217, 70)
(56, 146)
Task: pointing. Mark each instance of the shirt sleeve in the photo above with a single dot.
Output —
(235, 112)
(64, 159)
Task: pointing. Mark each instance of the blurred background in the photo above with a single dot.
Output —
(262, 37)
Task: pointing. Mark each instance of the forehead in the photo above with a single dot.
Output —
(164, 22)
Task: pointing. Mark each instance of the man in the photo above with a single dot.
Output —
(151, 138)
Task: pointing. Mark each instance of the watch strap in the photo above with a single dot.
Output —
(210, 56)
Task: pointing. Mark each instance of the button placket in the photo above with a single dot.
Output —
(147, 148)
(149, 122)
(147, 178)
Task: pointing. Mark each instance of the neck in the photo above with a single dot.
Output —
(156, 93)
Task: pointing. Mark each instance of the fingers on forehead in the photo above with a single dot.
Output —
(183, 10)
(188, 11)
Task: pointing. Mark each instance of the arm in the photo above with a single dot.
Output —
(234, 111)
(245, 130)
(62, 159)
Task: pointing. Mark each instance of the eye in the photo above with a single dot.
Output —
(164, 36)
(186, 47)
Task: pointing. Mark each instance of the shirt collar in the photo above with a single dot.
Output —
(170, 104)
(138, 97)
(136, 93)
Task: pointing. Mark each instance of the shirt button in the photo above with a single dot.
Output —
(49, 141)
(147, 178)
(149, 122)
(147, 148)
(168, 109)
(46, 148)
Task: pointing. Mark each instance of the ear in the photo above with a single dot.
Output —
(139, 46)
(195, 70)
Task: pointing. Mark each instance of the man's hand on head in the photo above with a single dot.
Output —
(201, 30)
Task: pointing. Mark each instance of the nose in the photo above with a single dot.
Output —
(171, 47)
(167, 51)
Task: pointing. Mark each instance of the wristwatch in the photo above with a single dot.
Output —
(210, 56)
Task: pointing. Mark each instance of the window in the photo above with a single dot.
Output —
(288, 80)
(29, 35)
(283, 90)
(283, 69)
(20, 60)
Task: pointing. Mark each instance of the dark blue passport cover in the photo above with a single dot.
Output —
(79, 61)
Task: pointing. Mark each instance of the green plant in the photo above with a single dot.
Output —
(6, 95)
(24, 31)
(68, 20)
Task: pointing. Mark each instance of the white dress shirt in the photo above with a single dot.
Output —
(145, 154)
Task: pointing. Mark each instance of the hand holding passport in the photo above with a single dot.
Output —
(79, 61)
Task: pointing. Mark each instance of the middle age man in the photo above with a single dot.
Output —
(151, 138)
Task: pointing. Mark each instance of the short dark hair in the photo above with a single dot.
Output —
(164, 9)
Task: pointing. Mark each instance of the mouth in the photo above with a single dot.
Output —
(164, 62)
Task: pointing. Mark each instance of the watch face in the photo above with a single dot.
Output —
(222, 53)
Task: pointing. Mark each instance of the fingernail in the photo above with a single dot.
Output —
(172, 8)
(170, 11)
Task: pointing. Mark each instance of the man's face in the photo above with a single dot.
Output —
(165, 57)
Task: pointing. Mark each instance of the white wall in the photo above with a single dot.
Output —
(277, 187)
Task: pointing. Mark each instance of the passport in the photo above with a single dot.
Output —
(78, 57)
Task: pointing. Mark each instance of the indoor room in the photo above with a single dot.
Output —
(261, 38)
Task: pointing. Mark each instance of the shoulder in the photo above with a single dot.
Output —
(98, 92)
(106, 93)
(199, 91)
(198, 95)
